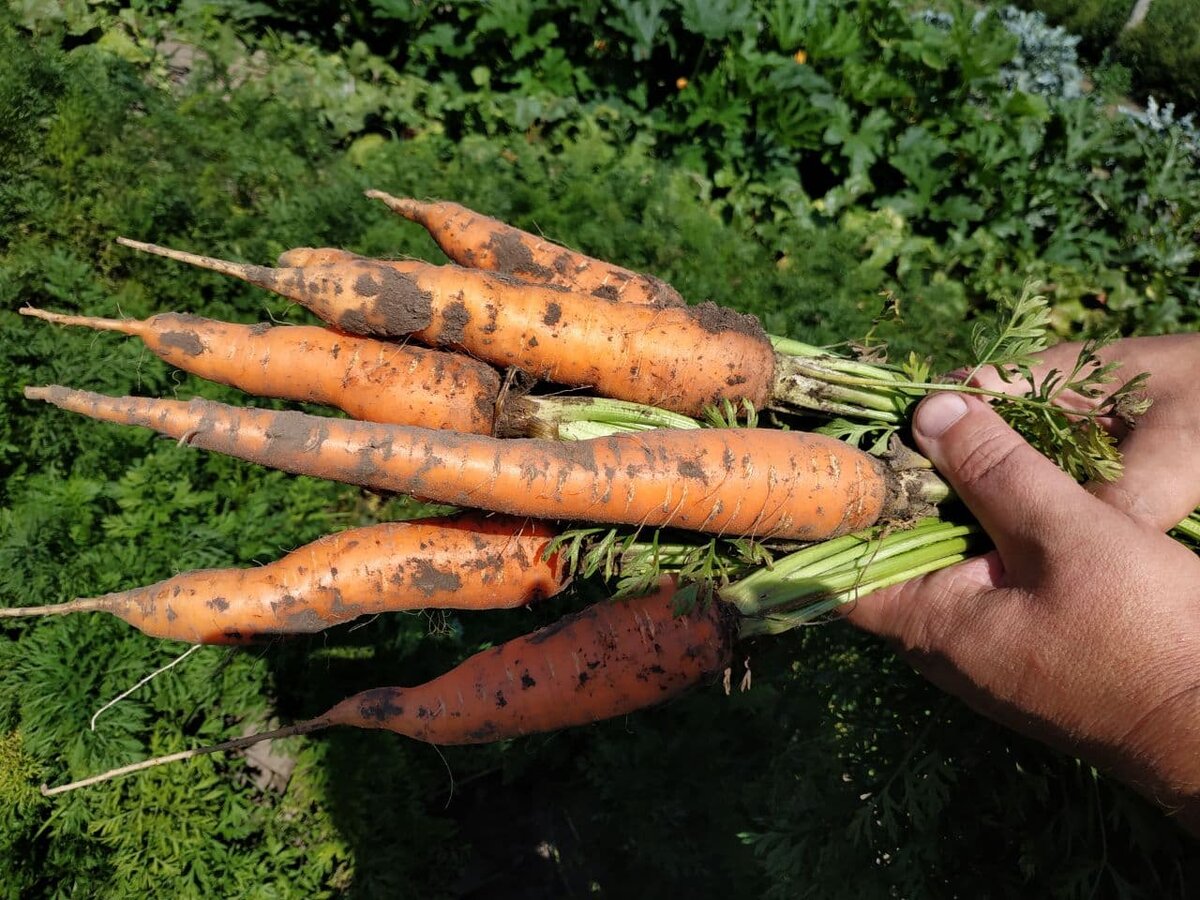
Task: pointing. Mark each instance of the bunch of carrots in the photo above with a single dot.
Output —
(654, 469)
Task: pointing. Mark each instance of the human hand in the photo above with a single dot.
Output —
(1161, 482)
(1082, 628)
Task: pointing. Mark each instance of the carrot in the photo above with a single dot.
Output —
(609, 660)
(461, 562)
(682, 359)
(759, 482)
(479, 242)
(369, 379)
(313, 256)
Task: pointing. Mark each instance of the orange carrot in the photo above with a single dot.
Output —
(479, 242)
(372, 380)
(463, 562)
(609, 660)
(313, 256)
(758, 482)
(682, 359)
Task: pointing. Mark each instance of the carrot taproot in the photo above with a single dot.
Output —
(462, 562)
(377, 381)
(742, 481)
(684, 359)
(481, 242)
(608, 660)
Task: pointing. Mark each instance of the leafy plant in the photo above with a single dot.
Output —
(796, 160)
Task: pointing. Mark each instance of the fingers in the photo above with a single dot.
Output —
(956, 626)
(911, 613)
(1157, 486)
(1023, 500)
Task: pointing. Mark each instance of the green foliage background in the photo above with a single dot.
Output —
(684, 138)
(1162, 53)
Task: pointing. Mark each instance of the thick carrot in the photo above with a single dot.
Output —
(372, 380)
(682, 359)
(480, 242)
(609, 660)
(760, 482)
(463, 562)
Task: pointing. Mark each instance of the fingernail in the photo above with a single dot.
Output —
(937, 413)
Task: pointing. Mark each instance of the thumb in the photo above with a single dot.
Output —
(1022, 499)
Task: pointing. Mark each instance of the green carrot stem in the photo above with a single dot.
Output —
(583, 431)
(617, 415)
(777, 623)
(799, 391)
(861, 573)
(827, 555)
(807, 573)
(1190, 527)
(581, 418)
(789, 347)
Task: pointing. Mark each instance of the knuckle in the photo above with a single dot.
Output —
(988, 459)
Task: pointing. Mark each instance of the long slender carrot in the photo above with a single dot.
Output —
(480, 242)
(462, 562)
(682, 359)
(373, 380)
(760, 482)
(609, 660)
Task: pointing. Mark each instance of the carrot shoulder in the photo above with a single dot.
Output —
(481, 242)
(761, 482)
(679, 358)
(374, 380)
(461, 562)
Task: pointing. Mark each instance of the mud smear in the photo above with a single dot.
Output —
(455, 318)
(185, 341)
(430, 580)
(512, 255)
(399, 304)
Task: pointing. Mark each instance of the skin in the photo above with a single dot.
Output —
(480, 242)
(739, 481)
(608, 660)
(1082, 629)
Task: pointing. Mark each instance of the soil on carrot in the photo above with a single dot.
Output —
(186, 341)
(454, 322)
(512, 255)
(403, 307)
(715, 319)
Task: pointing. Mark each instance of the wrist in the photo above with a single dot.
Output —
(1166, 764)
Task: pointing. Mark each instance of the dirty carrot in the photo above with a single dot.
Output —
(461, 562)
(612, 658)
(682, 359)
(480, 242)
(609, 660)
(369, 379)
(375, 381)
(738, 481)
